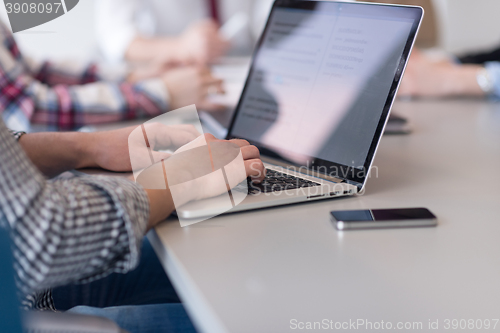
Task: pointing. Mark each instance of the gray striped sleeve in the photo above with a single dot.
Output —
(67, 230)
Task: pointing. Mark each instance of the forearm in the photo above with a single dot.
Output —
(161, 206)
(54, 153)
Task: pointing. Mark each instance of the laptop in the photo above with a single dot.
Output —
(319, 91)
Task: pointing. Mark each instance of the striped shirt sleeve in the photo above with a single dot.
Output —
(69, 230)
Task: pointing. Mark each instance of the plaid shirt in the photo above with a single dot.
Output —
(66, 230)
(67, 97)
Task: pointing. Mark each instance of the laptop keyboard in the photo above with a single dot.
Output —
(278, 181)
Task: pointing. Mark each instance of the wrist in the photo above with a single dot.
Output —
(485, 80)
(465, 81)
(86, 149)
(160, 206)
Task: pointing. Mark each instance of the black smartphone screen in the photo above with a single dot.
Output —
(383, 215)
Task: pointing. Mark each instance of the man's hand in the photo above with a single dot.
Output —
(426, 77)
(185, 85)
(202, 43)
(192, 85)
(193, 172)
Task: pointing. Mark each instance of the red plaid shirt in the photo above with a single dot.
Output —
(64, 98)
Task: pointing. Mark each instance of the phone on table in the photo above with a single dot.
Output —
(383, 218)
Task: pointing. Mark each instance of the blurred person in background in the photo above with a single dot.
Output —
(69, 96)
(176, 32)
(476, 75)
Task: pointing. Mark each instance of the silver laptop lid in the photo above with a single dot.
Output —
(323, 79)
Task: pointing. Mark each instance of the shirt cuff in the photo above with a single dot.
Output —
(17, 134)
(493, 69)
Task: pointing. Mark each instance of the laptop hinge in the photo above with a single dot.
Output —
(358, 185)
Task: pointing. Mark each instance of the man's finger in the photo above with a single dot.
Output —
(240, 142)
(255, 170)
(250, 152)
(204, 71)
(211, 107)
(209, 81)
(213, 89)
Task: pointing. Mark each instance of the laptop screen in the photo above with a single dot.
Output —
(322, 76)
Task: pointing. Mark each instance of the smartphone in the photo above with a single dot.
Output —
(383, 218)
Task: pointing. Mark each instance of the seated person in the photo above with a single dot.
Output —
(172, 31)
(475, 75)
(97, 222)
(63, 98)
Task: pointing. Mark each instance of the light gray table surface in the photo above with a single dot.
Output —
(258, 271)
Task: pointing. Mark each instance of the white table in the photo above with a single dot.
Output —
(256, 271)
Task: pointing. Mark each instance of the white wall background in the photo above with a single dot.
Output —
(465, 25)
(69, 36)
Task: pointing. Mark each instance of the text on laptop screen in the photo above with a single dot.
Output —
(320, 80)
